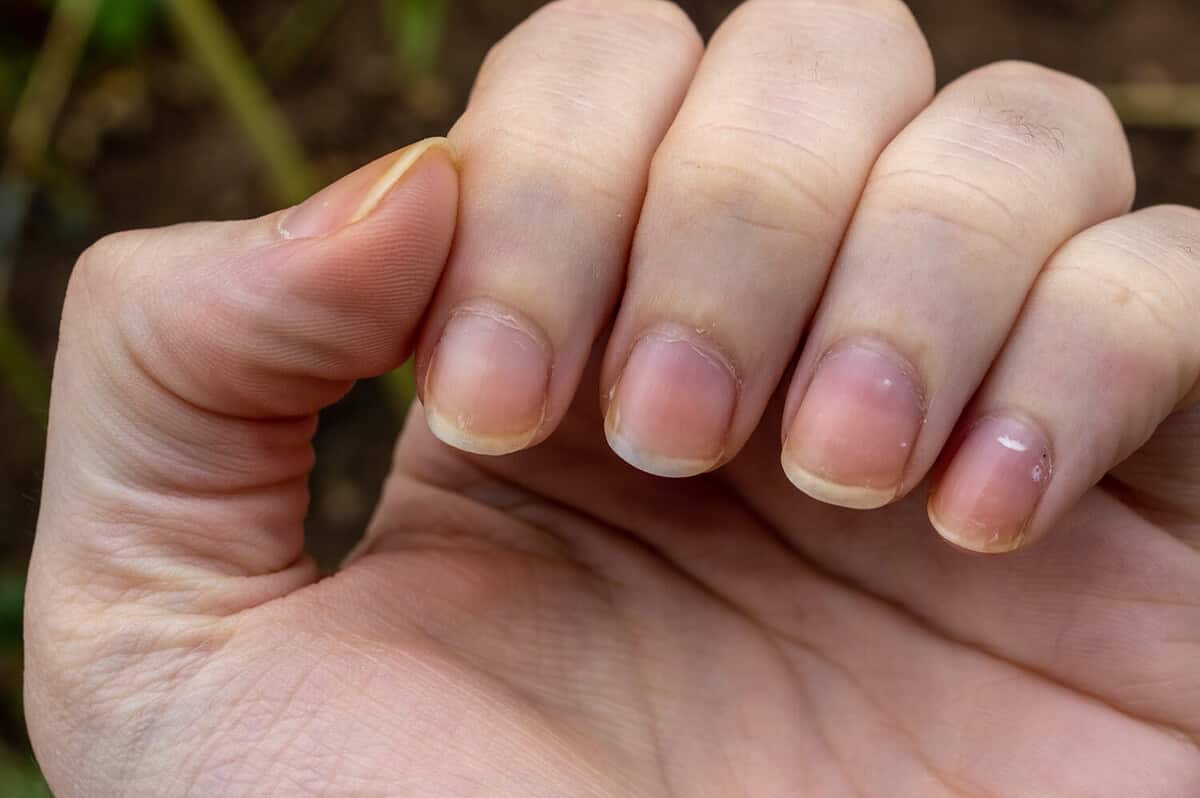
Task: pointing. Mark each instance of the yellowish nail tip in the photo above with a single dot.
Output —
(639, 458)
(458, 436)
(404, 161)
(955, 538)
(670, 467)
(853, 497)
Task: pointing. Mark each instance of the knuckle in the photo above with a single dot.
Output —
(964, 207)
(1180, 226)
(672, 15)
(1139, 324)
(101, 276)
(1038, 102)
(579, 54)
(1028, 73)
(893, 13)
(895, 10)
(637, 11)
(890, 13)
(585, 85)
(627, 21)
(746, 188)
(545, 169)
(103, 259)
(1141, 278)
(1041, 132)
(803, 30)
(758, 152)
(1165, 238)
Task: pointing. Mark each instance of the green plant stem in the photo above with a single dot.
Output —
(301, 28)
(49, 82)
(20, 778)
(1157, 105)
(400, 385)
(32, 125)
(33, 120)
(207, 35)
(417, 29)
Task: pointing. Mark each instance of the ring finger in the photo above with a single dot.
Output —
(958, 218)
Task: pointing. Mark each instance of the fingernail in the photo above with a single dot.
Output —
(985, 498)
(488, 381)
(672, 406)
(853, 434)
(356, 195)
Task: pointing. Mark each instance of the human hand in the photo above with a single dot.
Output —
(960, 290)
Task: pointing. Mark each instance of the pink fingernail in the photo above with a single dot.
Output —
(356, 195)
(672, 407)
(852, 437)
(985, 498)
(488, 381)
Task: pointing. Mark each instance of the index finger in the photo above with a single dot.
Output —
(556, 146)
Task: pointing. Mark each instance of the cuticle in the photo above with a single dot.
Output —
(488, 308)
(1029, 420)
(500, 312)
(887, 350)
(684, 335)
(697, 339)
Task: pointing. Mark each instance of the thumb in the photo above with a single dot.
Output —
(192, 363)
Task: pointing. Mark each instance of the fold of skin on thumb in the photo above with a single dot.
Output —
(192, 363)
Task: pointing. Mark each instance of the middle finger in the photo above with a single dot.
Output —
(749, 196)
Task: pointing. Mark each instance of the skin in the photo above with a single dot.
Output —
(781, 246)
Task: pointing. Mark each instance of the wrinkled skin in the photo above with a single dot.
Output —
(555, 622)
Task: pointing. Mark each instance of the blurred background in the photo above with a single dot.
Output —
(135, 113)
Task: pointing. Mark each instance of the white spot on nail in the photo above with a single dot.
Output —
(887, 383)
(1010, 443)
(1038, 473)
(903, 444)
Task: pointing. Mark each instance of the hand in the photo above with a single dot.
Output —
(960, 291)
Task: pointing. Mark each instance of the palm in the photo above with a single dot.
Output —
(558, 624)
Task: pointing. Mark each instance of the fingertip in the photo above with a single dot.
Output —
(989, 493)
(972, 539)
(654, 464)
(673, 404)
(457, 434)
(486, 387)
(854, 497)
(851, 439)
(432, 164)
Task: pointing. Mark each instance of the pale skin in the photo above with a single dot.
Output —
(778, 268)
